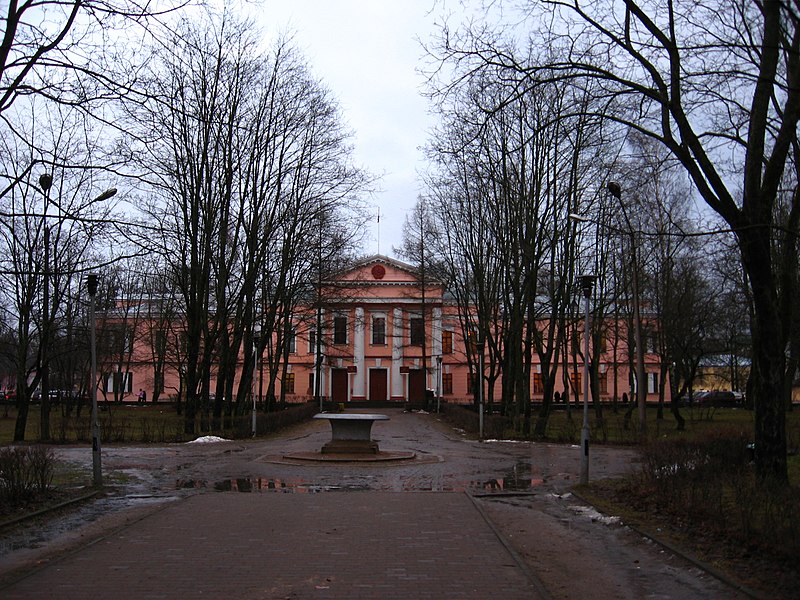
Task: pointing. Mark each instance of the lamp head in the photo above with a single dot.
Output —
(91, 281)
(587, 285)
(577, 218)
(106, 195)
(45, 181)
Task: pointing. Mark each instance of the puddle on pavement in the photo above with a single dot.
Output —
(505, 485)
(292, 486)
(263, 484)
(299, 486)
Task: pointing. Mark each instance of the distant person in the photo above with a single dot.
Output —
(142, 396)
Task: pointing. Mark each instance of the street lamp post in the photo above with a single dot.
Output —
(439, 384)
(256, 338)
(480, 390)
(587, 284)
(97, 473)
(45, 182)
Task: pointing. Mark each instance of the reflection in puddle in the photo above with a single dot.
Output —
(505, 485)
(291, 486)
(519, 479)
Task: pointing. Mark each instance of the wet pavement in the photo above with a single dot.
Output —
(463, 519)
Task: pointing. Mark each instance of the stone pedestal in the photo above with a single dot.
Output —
(351, 433)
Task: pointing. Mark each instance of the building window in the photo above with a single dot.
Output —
(472, 383)
(602, 382)
(417, 327)
(447, 383)
(312, 341)
(472, 341)
(311, 390)
(340, 330)
(576, 379)
(447, 342)
(120, 382)
(288, 383)
(577, 339)
(117, 340)
(160, 342)
(538, 386)
(650, 341)
(291, 341)
(652, 383)
(379, 331)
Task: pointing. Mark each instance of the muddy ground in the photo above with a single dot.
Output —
(523, 489)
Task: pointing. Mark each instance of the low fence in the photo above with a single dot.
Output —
(466, 418)
(128, 425)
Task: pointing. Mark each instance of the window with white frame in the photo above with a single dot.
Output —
(119, 381)
(312, 341)
(378, 330)
(340, 329)
(652, 383)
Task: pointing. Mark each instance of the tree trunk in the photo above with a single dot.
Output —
(769, 360)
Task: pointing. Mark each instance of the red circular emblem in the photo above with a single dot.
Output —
(378, 271)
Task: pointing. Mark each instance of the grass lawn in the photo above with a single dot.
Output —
(122, 423)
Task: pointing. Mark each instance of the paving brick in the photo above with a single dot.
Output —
(341, 545)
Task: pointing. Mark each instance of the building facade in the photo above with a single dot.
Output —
(387, 337)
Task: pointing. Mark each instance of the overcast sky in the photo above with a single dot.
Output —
(366, 52)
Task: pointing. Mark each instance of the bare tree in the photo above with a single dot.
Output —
(716, 84)
(529, 157)
(247, 151)
(51, 219)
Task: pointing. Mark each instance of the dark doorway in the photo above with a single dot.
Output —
(378, 385)
(339, 381)
(416, 386)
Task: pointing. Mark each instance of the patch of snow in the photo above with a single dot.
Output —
(208, 439)
(594, 515)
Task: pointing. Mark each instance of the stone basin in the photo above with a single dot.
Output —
(351, 433)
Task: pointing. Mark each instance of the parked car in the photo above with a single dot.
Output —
(54, 395)
(720, 398)
(698, 397)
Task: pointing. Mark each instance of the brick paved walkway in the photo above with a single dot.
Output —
(343, 545)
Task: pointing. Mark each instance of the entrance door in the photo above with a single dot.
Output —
(339, 380)
(416, 386)
(378, 385)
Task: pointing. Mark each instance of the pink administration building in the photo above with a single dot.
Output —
(387, 341)
(384, 340)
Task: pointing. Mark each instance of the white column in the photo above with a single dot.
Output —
(397, 353)
(358, 353)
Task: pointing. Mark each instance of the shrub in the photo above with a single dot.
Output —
(25, 472)
(709, 481)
